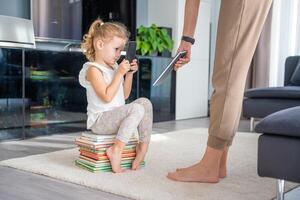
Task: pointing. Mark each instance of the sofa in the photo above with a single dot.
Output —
(279, 147)
(261, 102)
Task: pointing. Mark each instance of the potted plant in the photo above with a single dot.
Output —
(152, 40)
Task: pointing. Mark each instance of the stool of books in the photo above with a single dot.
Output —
(92, 149)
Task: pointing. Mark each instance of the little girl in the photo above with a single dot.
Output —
(107, 90)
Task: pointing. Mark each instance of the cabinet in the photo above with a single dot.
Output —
(53, 96)
(54, 100)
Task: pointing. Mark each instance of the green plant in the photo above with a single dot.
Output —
(153, 39)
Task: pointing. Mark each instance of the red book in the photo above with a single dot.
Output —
(103, 157)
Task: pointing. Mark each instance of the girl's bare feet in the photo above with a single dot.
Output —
(206, 171)
(114, 154)
(141, 150)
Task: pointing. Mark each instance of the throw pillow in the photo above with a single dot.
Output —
(295, 79)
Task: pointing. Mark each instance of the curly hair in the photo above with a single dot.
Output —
(104, 31)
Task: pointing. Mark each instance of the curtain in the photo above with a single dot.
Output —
(285, 37)
(258, 75)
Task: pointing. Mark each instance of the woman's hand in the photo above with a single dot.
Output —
(184, 46)
(133, 66)
(124, 67)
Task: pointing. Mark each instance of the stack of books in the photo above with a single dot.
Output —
(93, 156)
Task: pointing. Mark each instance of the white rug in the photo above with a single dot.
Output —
(167, 152)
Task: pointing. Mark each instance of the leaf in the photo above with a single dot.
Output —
(154, 45)
(138, 43)
(152, 33)
(160, 49)
(152, 39)
(153, 26)
(164, 32)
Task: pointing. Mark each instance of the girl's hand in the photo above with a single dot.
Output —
(184, 46)
(133, 66)
(124, 67)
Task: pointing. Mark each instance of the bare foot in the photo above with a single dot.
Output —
(223, 164)
(198, 173)
(141, 150)
(222, 168)
(114, 154)
(206, 171)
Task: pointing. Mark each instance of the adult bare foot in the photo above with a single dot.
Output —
(206, 171)
(141, 150)
(222, 168)
(114, 154)
(186, 168)
(223, 164)
(198, 173)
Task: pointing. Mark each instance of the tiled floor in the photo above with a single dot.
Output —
(19, 185)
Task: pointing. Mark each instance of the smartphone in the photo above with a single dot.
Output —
(130, 51)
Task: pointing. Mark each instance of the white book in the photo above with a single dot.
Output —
(98, 137)
(105, 138)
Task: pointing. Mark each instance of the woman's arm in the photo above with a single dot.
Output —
(190, 20)
(190, 17)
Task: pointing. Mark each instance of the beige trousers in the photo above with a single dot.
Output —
(239, 27)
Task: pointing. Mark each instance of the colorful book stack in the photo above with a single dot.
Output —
(93, 156)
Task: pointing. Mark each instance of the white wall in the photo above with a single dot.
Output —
(214, 18)
(141, 13)
(192, 80)
(160, 13)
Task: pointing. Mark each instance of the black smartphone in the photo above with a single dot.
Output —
(131, 51)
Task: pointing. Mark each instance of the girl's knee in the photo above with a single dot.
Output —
(146, 102)
(137, 109)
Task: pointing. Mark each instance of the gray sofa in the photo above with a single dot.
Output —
(260, 102)
(279, 147)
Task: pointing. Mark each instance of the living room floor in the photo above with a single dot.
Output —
(20, 185)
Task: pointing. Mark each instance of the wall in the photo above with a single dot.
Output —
(215, 8)
(141, 13)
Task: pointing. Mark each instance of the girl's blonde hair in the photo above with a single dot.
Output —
(104, 31)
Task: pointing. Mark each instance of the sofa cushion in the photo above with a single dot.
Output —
(274, 92)
(295, 79)
(285, 122)
(262, 107)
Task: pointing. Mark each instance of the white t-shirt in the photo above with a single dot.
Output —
(96, 106)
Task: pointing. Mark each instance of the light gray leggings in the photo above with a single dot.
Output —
(125, 120)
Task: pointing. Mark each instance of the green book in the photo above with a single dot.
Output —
(106, 167)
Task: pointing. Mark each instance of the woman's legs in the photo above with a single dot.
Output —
(240, 25)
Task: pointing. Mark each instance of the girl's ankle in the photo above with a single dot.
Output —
(118, 145)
